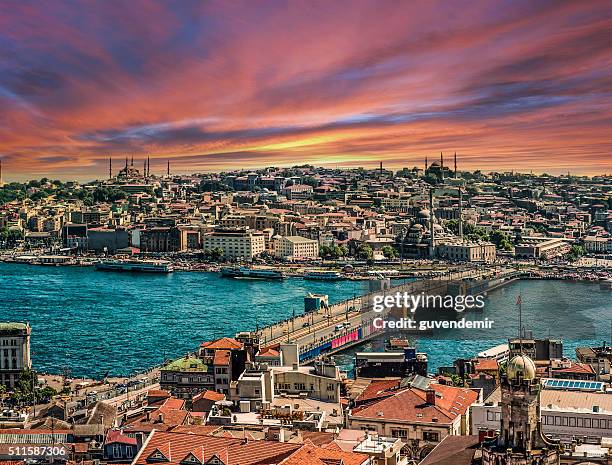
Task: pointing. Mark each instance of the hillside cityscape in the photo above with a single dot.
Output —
(433, 229)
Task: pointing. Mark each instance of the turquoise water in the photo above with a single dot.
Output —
(94, 322)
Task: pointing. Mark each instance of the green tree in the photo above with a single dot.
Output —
(324, 251)
(365, 252)
(389, 252)
(576, 251)
(501, 240)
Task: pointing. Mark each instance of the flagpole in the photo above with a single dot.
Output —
(520, 306)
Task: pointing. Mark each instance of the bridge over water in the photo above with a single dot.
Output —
(351, 321)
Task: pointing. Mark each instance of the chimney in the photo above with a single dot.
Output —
(430, 396)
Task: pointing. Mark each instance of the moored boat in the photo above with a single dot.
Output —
(323, 275)
(244, 272)
(137, 266)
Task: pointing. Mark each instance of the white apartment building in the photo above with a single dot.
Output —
(14, 351)
(468, 252)
(594, 244)
(236, 243)
(295, 247)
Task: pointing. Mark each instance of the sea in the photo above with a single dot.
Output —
(90, 323)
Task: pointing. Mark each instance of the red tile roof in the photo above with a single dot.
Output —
(222, 343)
(378, 390)
(177, 446)
(410, 405)
(116, 436)
(268, 353)
(486, 364)
(309, 454)
(209, 395)
(222, 357)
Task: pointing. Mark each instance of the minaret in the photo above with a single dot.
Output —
(455, 165)
(144, 171)
(168, 171)
(461, 214)
(425, 164)
(381, 168)
(126, 165)
(110, 168)
(441, 167)
(132, 160)
(432, 239)
(148, 166)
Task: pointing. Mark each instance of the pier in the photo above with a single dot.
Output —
(350, 322)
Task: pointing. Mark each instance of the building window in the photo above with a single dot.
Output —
(428, 436)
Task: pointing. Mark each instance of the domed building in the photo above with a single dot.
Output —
(129, 171)
(520, 440)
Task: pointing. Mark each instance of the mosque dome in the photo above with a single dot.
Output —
(521, 365)
(423, 213)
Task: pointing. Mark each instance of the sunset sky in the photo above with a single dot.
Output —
(514, 85)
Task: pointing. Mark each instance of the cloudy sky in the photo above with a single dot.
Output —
(508, 85)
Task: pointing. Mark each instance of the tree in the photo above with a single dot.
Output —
(389, 252)
(576, 251)
(501, 240)
(365, 252)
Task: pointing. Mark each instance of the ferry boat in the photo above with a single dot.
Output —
(323, 275)
(244, 272)
(137, 266)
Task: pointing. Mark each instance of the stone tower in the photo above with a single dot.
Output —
(520, 440)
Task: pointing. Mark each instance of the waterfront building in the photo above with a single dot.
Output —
(467, 251)
(160, 239)
(540, 247)
(107, 240)
(599, 358)
(227, 357)
(389, 364)
(293, 247)
(597, 245)
(186, 377)
(243, 243)
(14, 352)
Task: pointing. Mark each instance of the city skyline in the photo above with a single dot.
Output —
(216, 86)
